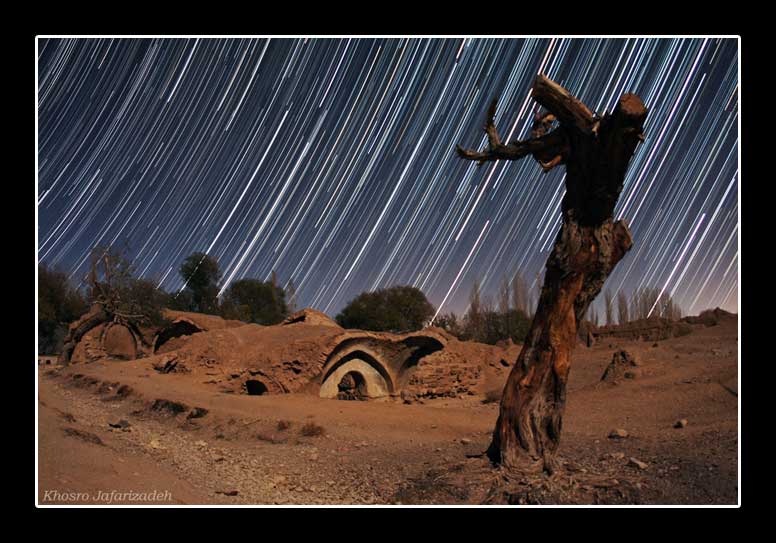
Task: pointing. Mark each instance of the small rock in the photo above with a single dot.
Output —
(618, 433)
(227, 492)
(120, 424)
(197, 412)
(615, 455)
(465, 441)
(155, 444)
(637, 463)
(201, 443)
(681, 423)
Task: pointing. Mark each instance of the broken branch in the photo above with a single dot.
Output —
(570, 112)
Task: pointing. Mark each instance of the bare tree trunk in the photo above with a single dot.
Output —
(528, 430)
(596, 151)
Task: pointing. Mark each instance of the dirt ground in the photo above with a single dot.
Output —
(119, 432)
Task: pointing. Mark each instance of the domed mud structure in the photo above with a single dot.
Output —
(307, 353)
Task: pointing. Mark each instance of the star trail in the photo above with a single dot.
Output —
(332, 160)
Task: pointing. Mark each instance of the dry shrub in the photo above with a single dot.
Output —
(312, 430)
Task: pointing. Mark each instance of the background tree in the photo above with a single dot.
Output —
(394, 309)
(486, 322)
(520, 295)
(59, 304)
(504, 305)
(450, 323)
(649, 302)
(609, 307)
(473, 319)
(291, 296)
(201, 275)
(667, 308)
(251, 300)
(596, 150)
(622, 308)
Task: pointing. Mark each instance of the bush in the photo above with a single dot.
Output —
(493, 326)
(59, 304)
(251, 300)
(396, 309)
(149, 301)
(450, 324)
(312, 430)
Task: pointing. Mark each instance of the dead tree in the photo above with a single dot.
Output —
(596, 151)
(116, 298)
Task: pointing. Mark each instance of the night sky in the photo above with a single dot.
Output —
(332, 161)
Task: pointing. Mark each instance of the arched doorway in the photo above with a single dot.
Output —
(165, 339)
(355, 379)
(352, 386)
(255, 387)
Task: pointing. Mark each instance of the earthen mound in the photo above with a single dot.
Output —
(711, 317)
(311, 316)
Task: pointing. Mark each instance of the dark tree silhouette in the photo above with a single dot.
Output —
(251, 300)
(201, 275)
(596, 151)
(394, 309)
(59, 304)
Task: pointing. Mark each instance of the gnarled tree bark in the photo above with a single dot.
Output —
(596, 151)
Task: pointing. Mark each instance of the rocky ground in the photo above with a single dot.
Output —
(663, 431)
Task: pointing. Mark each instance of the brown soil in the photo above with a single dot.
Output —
(196, 444)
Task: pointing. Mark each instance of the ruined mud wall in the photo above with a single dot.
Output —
(652, 329)
(462, 368)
